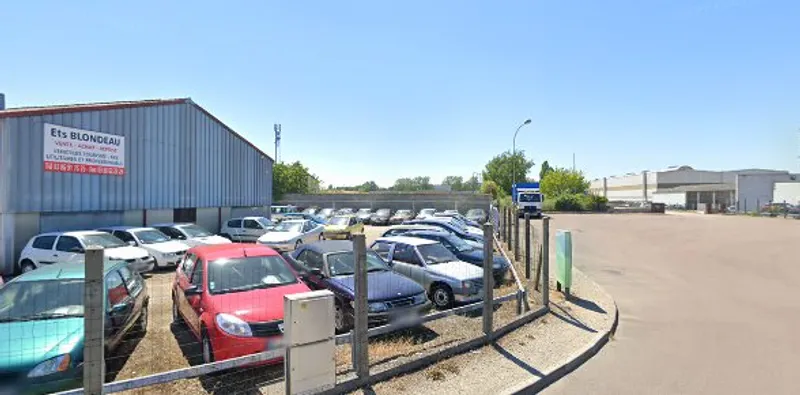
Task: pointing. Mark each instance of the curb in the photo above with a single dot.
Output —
(570, 364)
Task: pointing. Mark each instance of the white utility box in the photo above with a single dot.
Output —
(310, 363)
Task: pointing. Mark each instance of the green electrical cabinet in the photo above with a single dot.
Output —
(564, 260)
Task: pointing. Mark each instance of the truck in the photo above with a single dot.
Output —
(527, 198)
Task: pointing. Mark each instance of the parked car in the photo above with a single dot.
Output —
(455, 220)
(426, 213)
(290, 234)
(345, 211)
(58, 247)
(451, 212)
(462, 220)
(165, 251)
(477, 215)
(246, 229)
(448, 226)
(380, 217)
(230, 296)
(400, 230)
(363, 215)
(191, 234)
(465, 251)
(309, 217)
(330, 265)
(278, 212)
(401, 216)
(41, 323)
(326, 213)
(314, 210)
(342, 227)
(447, 280)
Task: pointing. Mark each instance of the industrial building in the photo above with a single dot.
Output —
(683, 186)
(84, 166)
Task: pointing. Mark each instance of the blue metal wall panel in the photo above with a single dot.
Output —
(61, 222)
(176, 157)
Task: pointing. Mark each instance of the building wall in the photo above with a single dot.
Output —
(788, 192)
(674, 178)
(755, 190)
(159, 216)
(208, 218)
(674, 198)
(176, 157)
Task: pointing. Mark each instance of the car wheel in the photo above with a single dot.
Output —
(298, 244)
(442, 297)
(176, 316)
(208, 352)
(142, 324)
(340, 320)
(27, 266)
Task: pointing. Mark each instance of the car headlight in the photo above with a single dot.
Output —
(420, 299)
(50, 366)
(377, 307)
(466, 285)
(233, 325)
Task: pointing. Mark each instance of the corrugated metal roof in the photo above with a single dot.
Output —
(698, 188)
(70, 108)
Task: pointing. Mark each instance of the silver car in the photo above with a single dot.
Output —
(429, 263)
(290, 234)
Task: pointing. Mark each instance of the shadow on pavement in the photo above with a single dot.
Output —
(569, 318)
(586, 304)
(522, 364)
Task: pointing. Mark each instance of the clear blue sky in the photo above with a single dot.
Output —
(377, 90)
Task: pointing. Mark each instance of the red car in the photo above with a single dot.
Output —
(231, 298)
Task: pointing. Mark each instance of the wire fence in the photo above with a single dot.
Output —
(201, 328)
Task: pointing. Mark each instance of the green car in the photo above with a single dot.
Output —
(41, 324)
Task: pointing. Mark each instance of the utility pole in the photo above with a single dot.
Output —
(277, 128)
(573, 162)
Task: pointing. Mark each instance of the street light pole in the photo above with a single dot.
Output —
(514, 153)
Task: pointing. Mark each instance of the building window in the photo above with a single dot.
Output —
(184, 215)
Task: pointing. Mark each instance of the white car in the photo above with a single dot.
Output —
(246, 228)
(426, 213)
(399, 230)
(165, 251)
(288, 235)
(191, 234)
(57, 247)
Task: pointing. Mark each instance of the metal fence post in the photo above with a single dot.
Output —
(546, 261)
(516, 238)
(527, 246)
(360, 343)
(94, 315)
(502, 227)
(488, 279)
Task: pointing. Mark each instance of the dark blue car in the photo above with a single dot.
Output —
(464, 251)
(447, 227)
(330, 265)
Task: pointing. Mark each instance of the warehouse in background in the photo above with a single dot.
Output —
(685, 187)
(122, 163)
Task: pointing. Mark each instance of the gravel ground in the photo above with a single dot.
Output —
(166, 347)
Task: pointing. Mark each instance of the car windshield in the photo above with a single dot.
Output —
(311, 211)
(38, 300)
(403, 212)
(245, 274)
(428, 211)
(364, 211)
(436, 253)
(339, 221)
(459, 244)
(195, 231)
(264, 222)
(326, 211)
(104, 240)
(530, 197)
(289, 226)
(383, 211)
(342, 263)
(151, 236)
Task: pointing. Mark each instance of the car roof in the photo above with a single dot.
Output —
(126, 228)
(68, 270)
(414, 241)
(438, 232)
(72, 233)
(328, 246)
(171, 224)
(345, 215)
(291, 221)
(231, 250)
(417, 226)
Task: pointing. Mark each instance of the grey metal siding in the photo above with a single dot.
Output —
(176, 157)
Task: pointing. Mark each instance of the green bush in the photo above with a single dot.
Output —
(593, 203)
(549, 205)
(571, 202)
(575, 202)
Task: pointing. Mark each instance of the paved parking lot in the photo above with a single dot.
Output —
(708, 304)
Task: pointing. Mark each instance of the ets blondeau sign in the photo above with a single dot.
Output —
(70, 150)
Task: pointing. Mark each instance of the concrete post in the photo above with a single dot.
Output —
(93, 321)
(713, 200)
(605, 187)
(527, 246)
(697, 203)
(546, 261)
(510, 224)
(360, 343)
(516, 238)
(488, 279)
(504, 226)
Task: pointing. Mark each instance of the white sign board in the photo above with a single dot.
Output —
(70, 150)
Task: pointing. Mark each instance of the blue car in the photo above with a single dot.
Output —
(330, 265)
(447, 226)
(464, 251)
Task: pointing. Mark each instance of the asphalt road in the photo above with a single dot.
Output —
(708, 304)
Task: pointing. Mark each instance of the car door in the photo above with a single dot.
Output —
(194, 302)
(234, 227)
(68, 249)
(42, 251)
(251, 230)
(406, 261)
(184, 282)
(355, 226)
(120, 308)
(308, 260)
(307, 232)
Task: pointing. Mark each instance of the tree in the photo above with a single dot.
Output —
(472, 184)
(545, 169)
(368, 186)
(292, 178)
(412, 184)
(490, 188)
(500, 168)
(456, 183)
(560, 181)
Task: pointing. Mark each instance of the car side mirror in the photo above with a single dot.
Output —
(132, 243)
(120, 308)
(77, 250)
(316, 272)
(193, 290)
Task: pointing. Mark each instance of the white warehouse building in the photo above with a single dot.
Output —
(683, 186)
